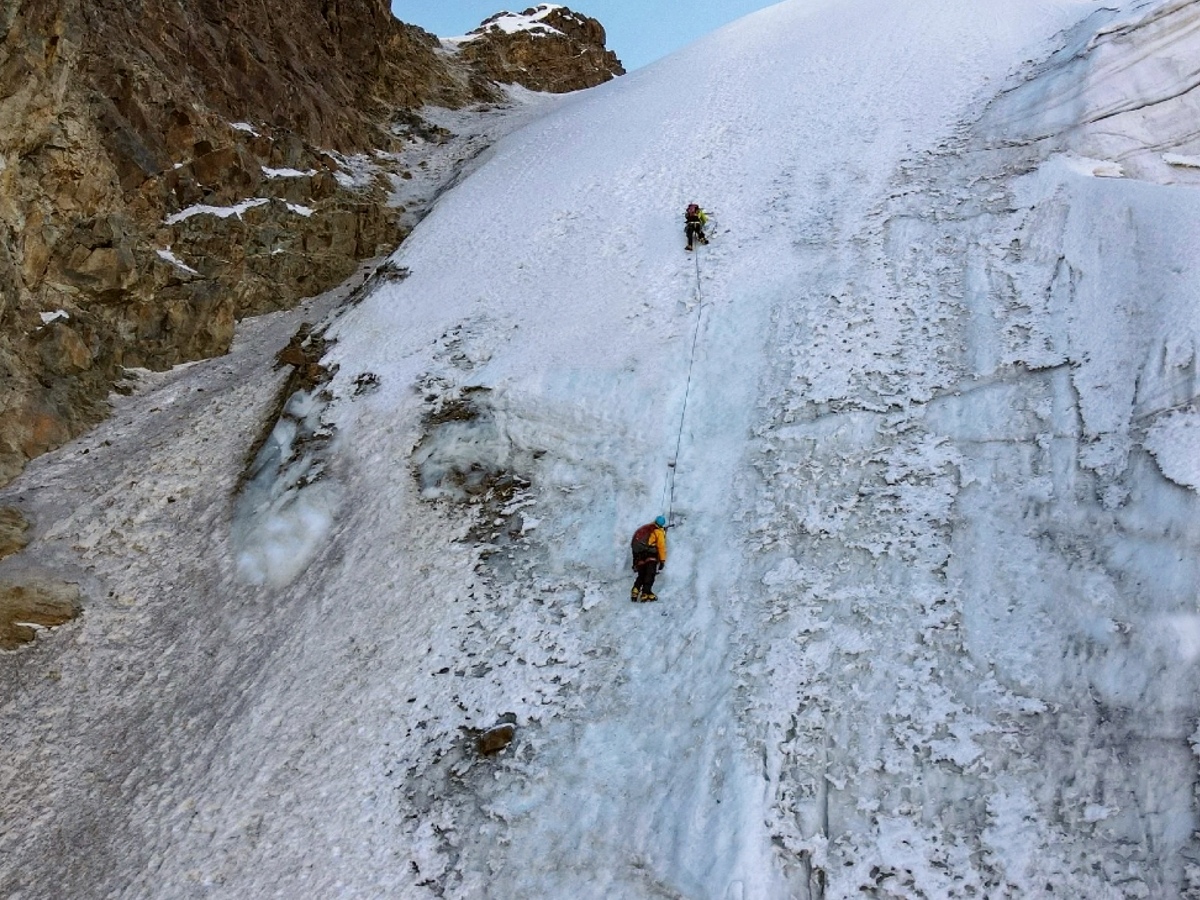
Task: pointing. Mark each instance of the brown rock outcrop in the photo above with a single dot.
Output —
(546, 48)
(33, 603)
(13, 531)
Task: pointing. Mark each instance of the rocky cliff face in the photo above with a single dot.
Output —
(545, 48)
(168, 168)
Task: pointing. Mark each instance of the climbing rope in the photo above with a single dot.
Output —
(668, 501)
(673, 462)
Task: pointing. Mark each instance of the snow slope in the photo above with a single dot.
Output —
(923, 416)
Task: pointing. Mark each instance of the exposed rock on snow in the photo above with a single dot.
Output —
(13, 531)
(496, 739)
(34, 602)
(285, 507)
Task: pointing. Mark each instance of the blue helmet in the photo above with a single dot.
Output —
(660, 522)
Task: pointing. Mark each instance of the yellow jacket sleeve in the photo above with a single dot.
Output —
(658, 540)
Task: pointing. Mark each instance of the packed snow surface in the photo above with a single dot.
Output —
(168, 255)
(288, 172)
(221, 212)
(922, 416)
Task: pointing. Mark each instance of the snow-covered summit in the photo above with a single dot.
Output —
(532, 21)
(545, 48)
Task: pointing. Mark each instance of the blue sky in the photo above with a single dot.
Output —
(639, 31)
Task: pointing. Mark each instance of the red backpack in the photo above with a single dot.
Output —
(640, 545)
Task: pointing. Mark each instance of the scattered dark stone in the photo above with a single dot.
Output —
(366, 383)
(387, 272)
(496, 739)
(454, 409)
(303, 353)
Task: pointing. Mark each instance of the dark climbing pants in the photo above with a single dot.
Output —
(646, 570)
(695, 231)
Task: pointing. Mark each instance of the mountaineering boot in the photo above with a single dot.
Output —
(688, 247)
(648, 597)
(633, 595)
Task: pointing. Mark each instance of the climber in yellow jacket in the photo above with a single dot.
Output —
(649, 546)
(694, 221)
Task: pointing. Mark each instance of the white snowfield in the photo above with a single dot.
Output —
(929, 627)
